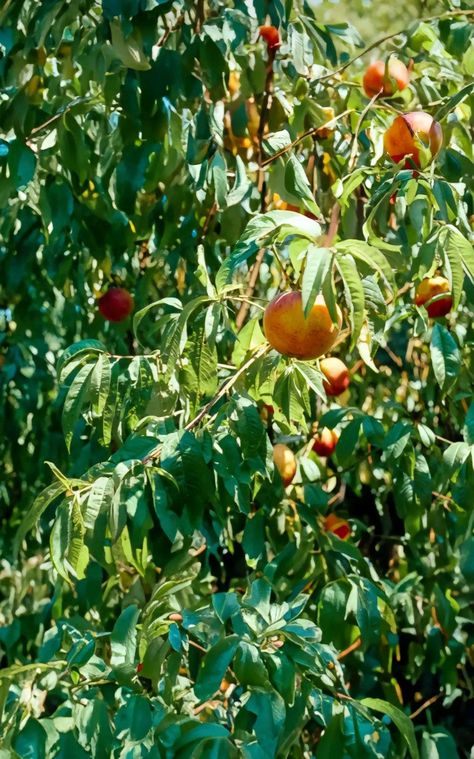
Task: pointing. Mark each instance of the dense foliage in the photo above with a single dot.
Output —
(162, 593)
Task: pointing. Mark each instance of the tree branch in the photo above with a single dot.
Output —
(333, 225)
(425, 705)
(255, 269)
(228, 384)
(303, 136)
(373, 45)
(353, 647)
(225, 387)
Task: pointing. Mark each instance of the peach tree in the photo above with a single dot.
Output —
(216, 543)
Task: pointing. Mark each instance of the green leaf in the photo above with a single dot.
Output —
(249, 428)
(76, 556)
(469, 425)
(403, 723)
(16, 670)
(218, 169)
(30, 742)
(208, 730)
(123, 639)
(345, 188)
(462, 247)
(176, 338)
(291, 393)
(333, 742)
(241, 184)
(260, 231)
(84, 348)
(426, 435)
(128, 49)
(297, 183)
(165, 302)
(77, 396)
(68, 552)
(248, 665)
(354, 293)
(72, 146)
(40, 504)
(100, 384)
(204, 362)
(453, 101)
(445, 356)
(99, 499)
(273, 143)
(451, 249)
(371, 256)
(214, 666)
(313, 378)
(455, 455)
(466, 561)
(318, 262)
(21, 162)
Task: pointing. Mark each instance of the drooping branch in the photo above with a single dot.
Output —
(386, 37)
(224, 388)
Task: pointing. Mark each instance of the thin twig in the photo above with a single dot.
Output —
(254, 272)
(200, 17)
(155, 354)
(353, 154)
(373, 45)
(443, 439)
(333, 225)
(353, 647)
(425, 705)
(243, 299)
(225, 387)
(197, 645)
(228, 384)
(210, 214)
(303, 136)
(336, 209)
(169, 30)
(396, 359)
(339, 496)
(442, 496)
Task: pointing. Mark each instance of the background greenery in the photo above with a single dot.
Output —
(164, 538)
(374, 19)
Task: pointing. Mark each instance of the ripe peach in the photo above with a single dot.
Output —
(325, 442)
(271, 35)
(324, 132)
(253, 118)
(34, 88)
(402, 139)
(266, 412)
(427, 289)
(337, 526)
(116, 304)
(175, 616)
(281, 205)
(285, 462)
(287, 330)
(374, 78)
(234, 83)
(337, 375)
